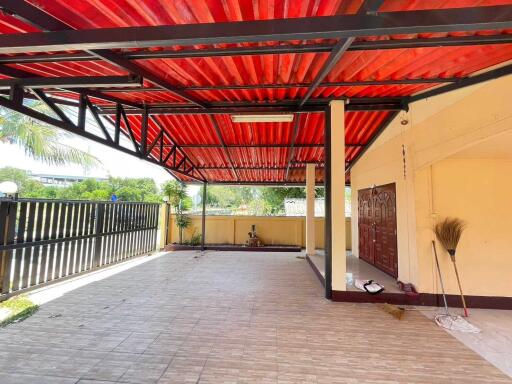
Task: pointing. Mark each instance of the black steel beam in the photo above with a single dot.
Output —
(22, 74)
(375, 136)
(291, 151)
(339, 26)
(98, 120)
(73, 82)
(74, 129)
(83, 93)
(261, 145)
(451, 41)
(368, 6)
(261, 183)
(434, 42)
(223, 143)
(217, 110)
(339, 49)
(31, 14)
(165, 133)
(328, 205)
(115, 59)
(16, 93)
(51, 104)
(364, 83)
(203, 218)
(285, 106)
(31, 96)
(237, 109)
(466, 82)
(82, 111)
(105, 97)
(258, 168)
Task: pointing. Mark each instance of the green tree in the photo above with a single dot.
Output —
(275, 196)
(41, 141)
(26, 186)
(176, 193)
(144, 190)
(228, 197)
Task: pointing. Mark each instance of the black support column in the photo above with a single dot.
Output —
(203, 218)
(327, 197)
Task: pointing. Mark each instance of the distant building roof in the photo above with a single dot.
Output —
(62, 180)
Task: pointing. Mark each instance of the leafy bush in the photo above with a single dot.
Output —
(195, 239)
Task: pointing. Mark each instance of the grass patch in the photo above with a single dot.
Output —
(21, 307)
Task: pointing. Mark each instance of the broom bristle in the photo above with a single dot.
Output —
(448, 232)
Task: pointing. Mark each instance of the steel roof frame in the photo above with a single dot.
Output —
(363, 83)
(327, 27)
(96, 45)
(41, 20)
(436, 42)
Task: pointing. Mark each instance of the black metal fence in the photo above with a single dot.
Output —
(47, 240)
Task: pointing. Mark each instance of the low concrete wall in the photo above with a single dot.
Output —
(273, 230)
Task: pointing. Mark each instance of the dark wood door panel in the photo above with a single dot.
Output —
(377, 227)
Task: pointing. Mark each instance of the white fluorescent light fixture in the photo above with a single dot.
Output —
(262, 118)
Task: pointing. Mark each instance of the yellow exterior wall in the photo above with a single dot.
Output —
(477, 191)
(438, 128)
(273, 230)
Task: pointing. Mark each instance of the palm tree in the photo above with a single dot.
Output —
(41, 141)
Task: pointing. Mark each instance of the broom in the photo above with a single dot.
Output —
(448, 233)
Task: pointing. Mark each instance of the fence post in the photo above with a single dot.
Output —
(98, 230)
(7, 231)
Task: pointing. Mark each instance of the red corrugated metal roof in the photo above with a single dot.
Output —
(191, 131)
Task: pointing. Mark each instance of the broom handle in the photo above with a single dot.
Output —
(460, 288)
(440, 276)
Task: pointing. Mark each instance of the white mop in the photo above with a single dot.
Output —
(446, 320)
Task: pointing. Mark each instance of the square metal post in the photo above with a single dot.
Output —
(328, 215)
(203, 218)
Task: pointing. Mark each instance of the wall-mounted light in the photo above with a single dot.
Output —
(264, 118)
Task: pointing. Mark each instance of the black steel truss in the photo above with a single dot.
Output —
(184, 167)
(328, 27)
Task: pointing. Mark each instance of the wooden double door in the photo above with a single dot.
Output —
(377, 227)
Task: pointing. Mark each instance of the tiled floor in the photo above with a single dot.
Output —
(494, 342)
(359, 269)
(227, 318)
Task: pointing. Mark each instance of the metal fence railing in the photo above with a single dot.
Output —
(46, 240)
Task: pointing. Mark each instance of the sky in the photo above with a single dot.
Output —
(114, 163)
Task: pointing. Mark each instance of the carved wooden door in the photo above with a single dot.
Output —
(377, 227)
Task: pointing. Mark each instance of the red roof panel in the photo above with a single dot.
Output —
(282, 69)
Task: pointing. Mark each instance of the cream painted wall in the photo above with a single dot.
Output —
(479, 192)
(437, 128)
(273, 230)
